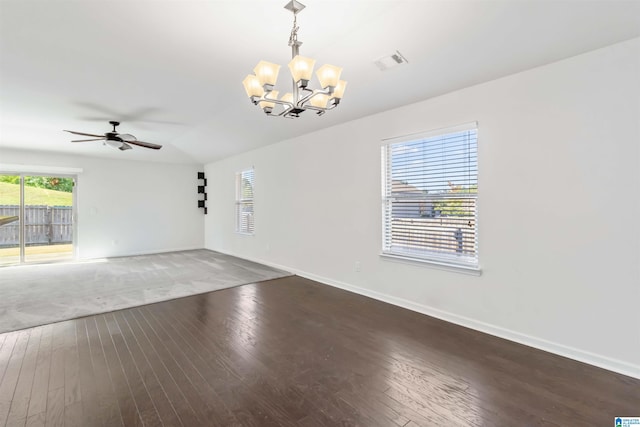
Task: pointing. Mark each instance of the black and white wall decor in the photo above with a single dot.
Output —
(202, 190)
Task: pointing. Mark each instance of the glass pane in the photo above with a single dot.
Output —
(48, 218)
(9, 219)
(437, 165)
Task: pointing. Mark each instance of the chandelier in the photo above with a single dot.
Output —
(260, 86)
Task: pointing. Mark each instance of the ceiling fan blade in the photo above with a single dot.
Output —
(146, 144)
(86, 140)
(127, 137)
(84, 134)
(124, 146)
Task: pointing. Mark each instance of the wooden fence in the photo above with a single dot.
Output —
(43, 225)
(442, 234)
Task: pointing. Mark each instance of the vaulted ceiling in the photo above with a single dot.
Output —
(171, 71)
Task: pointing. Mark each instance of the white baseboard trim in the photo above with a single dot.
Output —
(138, 253)
(589, 358)
(260, 261)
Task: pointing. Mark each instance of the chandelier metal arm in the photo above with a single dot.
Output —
(288, 106)
(321, 110)
(301, 105)
(302, 102)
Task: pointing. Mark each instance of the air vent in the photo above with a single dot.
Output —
(390, 61)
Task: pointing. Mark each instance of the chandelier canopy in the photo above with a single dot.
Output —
(260, 86)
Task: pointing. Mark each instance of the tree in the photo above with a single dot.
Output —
(11, 179)
(48, 182)
(457, 207)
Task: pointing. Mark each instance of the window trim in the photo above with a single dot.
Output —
(239, 201)
(445, 262)
(429, 133)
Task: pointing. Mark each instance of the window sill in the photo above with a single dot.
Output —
(244, 234)
(473, 271)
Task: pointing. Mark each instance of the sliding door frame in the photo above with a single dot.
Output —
(74, 210)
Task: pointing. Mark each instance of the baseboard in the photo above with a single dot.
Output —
(138, 253)
(597, 360)
(259, 261)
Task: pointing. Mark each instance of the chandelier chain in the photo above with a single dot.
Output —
(293, 38)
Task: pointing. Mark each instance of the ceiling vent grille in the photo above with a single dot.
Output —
(390, 61)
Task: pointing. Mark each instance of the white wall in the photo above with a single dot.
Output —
(559, 209)
(128, 207)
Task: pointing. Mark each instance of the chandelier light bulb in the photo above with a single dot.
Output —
(252, 86)
(328, 76)
(320, 100)
(266, 104)
(339, 90)
(267, 73)
(302, 68)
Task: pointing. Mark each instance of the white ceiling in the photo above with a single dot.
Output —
(171, 71)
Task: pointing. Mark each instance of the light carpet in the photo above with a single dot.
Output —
(32, 295)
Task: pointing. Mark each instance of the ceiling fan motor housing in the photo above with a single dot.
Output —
(112, 136)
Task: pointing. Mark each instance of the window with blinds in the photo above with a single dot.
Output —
(430, 192)
(244, 201)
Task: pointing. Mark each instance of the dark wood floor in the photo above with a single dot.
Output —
(292, 352)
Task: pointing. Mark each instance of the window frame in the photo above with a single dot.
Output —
(452, 262)
(241, 201)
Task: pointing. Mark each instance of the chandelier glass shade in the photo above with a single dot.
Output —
(260, 85)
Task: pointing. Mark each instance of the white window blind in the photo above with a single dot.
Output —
(244, 201)
(430, 191)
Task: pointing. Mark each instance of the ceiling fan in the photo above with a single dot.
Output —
(117, 140)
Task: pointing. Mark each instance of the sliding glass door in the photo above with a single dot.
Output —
(36, 218)
(10, 223)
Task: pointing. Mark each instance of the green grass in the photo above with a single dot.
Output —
(10, 195)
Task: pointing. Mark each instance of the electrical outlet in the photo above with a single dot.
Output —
(357, 266)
